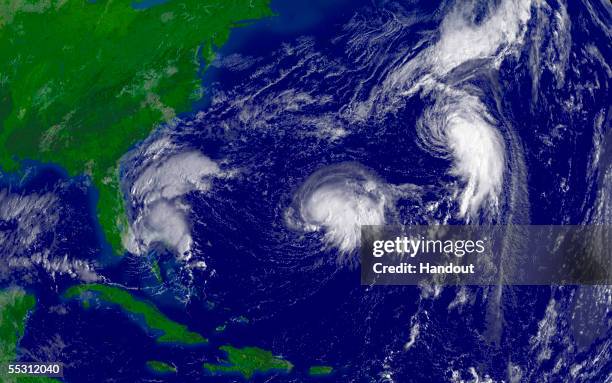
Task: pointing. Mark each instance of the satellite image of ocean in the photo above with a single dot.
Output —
(183, 186)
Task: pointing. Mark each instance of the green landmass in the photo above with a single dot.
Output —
(156, 270)
(247, 361)
(320, 370)
(169, 331)
(221, 328)
(82, 81)
(160, 367)
(15, 305)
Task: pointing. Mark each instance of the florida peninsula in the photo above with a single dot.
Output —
(83, 81)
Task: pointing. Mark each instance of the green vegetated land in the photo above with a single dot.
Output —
(156, 270)
(247, 361)
(320, 370)
(160, 367)
(171, 332)
(15, 305)
(82, 81)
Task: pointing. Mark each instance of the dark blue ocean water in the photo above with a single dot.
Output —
(297, 300)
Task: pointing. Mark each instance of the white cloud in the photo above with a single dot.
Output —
(337, 200)
(160, 213)
(459, 125)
